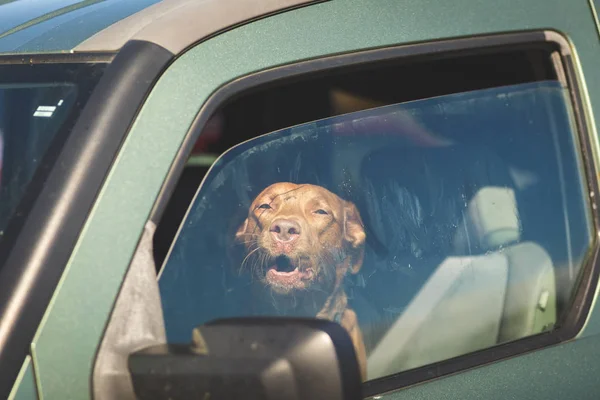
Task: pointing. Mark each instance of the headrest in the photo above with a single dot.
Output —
(452, 200)
(490, 221)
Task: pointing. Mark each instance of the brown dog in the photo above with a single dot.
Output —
(303, 240)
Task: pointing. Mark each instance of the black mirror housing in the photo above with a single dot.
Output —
(252, 358)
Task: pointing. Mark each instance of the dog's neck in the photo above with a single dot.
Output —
(326, 304)
(300, 304)
(334, 306)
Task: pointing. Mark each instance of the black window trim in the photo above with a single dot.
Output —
(574, 319)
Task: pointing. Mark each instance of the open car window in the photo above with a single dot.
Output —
(429, 229)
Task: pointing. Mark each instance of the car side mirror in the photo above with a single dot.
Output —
(252, 358)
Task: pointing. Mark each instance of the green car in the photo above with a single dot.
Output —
(289, 199)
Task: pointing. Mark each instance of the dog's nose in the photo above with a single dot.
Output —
(285, 230)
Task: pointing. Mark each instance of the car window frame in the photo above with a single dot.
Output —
(574, 319)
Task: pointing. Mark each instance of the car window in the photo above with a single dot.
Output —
(428, 229)
(39, 104)
(30, 116)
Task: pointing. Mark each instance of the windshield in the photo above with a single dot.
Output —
(435, 221)
(30, 116)
(39, 105)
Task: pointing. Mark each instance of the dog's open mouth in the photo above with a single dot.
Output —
(287, 273)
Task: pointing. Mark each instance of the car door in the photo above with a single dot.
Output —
(321, 62)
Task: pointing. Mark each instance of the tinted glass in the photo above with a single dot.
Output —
(30, 117)
(447, 225)
(40, 103)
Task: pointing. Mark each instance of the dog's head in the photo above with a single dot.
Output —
(301, 237)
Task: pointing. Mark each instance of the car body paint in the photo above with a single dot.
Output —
(66, 342)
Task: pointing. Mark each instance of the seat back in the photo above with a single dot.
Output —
(458, 310)
(530, 301)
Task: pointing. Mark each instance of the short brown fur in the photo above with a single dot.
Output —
(321, 237)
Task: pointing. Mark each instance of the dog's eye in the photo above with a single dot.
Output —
(321, 211)
(264, 206)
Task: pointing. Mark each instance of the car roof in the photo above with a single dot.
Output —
(55, 26)
(65, 26)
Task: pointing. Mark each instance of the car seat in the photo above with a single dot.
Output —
(450, 214)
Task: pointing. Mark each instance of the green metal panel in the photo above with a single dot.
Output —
(569, 371)
(65, 345)
(24, 388)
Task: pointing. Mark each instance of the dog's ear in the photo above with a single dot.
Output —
(239, 235)
(354, 234)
